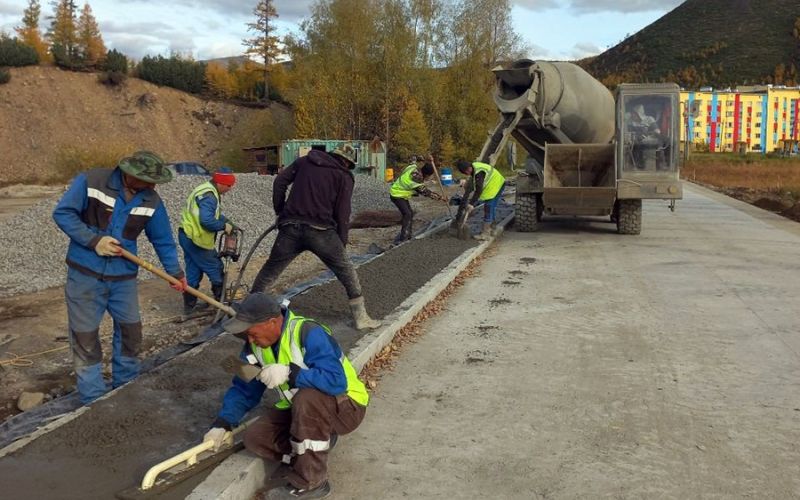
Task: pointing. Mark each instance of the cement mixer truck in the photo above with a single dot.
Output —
(589, 153)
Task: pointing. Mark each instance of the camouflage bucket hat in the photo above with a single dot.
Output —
(146, 166)
(347, 152)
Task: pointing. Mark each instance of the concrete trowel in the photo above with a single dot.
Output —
(197, 458)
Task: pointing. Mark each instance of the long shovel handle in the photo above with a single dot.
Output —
(161, 274)
(441, 188)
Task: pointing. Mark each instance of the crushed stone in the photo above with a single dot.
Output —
(34, 248)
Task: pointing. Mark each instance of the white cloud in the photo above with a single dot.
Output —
(593, 6)
(9, 9)
(537, 4)
(584, 49)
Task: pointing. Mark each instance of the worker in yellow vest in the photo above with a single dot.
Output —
(487, 185)
(409, 182)
(318, 393)
(201, 219)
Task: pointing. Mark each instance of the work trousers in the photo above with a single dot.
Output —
(301, 435)
(88, 298)
(490, 206)
(295, 238)
(406, 223)
(200, 261)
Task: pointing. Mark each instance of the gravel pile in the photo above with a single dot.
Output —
(34, 248)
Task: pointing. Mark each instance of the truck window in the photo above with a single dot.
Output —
(649, 142)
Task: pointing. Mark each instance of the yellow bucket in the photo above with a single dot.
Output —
(389, 174)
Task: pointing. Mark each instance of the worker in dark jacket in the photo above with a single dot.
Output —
(410, 182)
(102, 212)
(201, 219)
(486, 184)
(316, 217)
(318, 393)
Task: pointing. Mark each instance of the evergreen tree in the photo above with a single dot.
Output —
(264, 44)
(91, 48)
(29, 31)
(63, 34)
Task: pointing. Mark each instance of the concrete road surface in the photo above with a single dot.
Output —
(584, 364)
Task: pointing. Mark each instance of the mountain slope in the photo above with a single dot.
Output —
(710, 42)
(53, 118)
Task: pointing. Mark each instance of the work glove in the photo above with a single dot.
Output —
(219, 436)
(470, 208)
(274, 375)
(107, 247)
(228, 228)
(181, 286)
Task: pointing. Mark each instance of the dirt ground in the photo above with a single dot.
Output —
(37, 322)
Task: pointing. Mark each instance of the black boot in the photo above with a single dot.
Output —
(189, 301)
(217, 290)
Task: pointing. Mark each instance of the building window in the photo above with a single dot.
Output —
(729, 135)
(697, 134)
(758, 136)
(758, 114)
(757, 125)
(729, 114)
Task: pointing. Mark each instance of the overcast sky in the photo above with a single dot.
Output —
(553, 29)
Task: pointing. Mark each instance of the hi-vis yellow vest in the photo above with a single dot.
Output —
(405, 186)
(492, 183)
(290, 351)
(190, 217)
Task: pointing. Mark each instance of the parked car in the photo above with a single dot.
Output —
(188, 168)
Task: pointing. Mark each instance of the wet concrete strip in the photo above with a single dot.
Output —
(109, 447)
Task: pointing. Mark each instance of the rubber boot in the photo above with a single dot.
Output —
(217, 290)
(486, 232)
(189, 302)
(361, 319)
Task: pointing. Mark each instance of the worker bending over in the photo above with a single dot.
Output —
(410, 182)
(319, 395)
(201, 219)
(102, 212)
(486, 185)
(316, 217)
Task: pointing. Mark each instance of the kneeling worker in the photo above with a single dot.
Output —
(410, 182)
(201, 218)
(319, 394)
(487, 184)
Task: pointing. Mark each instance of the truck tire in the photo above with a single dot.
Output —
(629, 220)
(526, 213)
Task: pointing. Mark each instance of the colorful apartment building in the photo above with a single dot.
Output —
(749, 119)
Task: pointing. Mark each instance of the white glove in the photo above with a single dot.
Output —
(219, 436)
(228, 228)
(107, 247)
(274, 375)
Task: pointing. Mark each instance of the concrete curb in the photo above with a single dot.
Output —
(242, 474)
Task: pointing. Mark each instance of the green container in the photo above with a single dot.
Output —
(370, 155)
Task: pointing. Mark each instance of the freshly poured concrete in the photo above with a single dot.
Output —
(584, 364)
(109, 447)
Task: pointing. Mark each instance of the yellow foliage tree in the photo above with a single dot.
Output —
(412, 135)
(447, 151)
(91, 48)
(63, 33)
(303, 121)
(220, 81)
(29, 31)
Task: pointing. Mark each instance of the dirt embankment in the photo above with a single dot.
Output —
(46, 111)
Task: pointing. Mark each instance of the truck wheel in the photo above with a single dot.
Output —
(629, 220)
(526, 213)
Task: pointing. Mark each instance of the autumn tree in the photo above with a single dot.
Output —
(264, 44)
(220, 81)
(412, 136)
(63, 34)
(91, 48)
(29, 32)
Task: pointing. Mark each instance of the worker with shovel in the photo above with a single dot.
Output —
(316, 217)
(411, 181)
(201, 219)
(319, 395)
(486, 184)
(103, 212)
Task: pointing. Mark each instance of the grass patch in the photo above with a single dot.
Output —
(72, 160)
(779, 175)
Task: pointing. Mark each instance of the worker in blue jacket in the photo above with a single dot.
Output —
(102, 212)
(318, 394)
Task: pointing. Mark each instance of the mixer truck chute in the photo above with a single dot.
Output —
(589, 153)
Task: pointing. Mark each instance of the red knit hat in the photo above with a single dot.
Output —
(224, 178)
